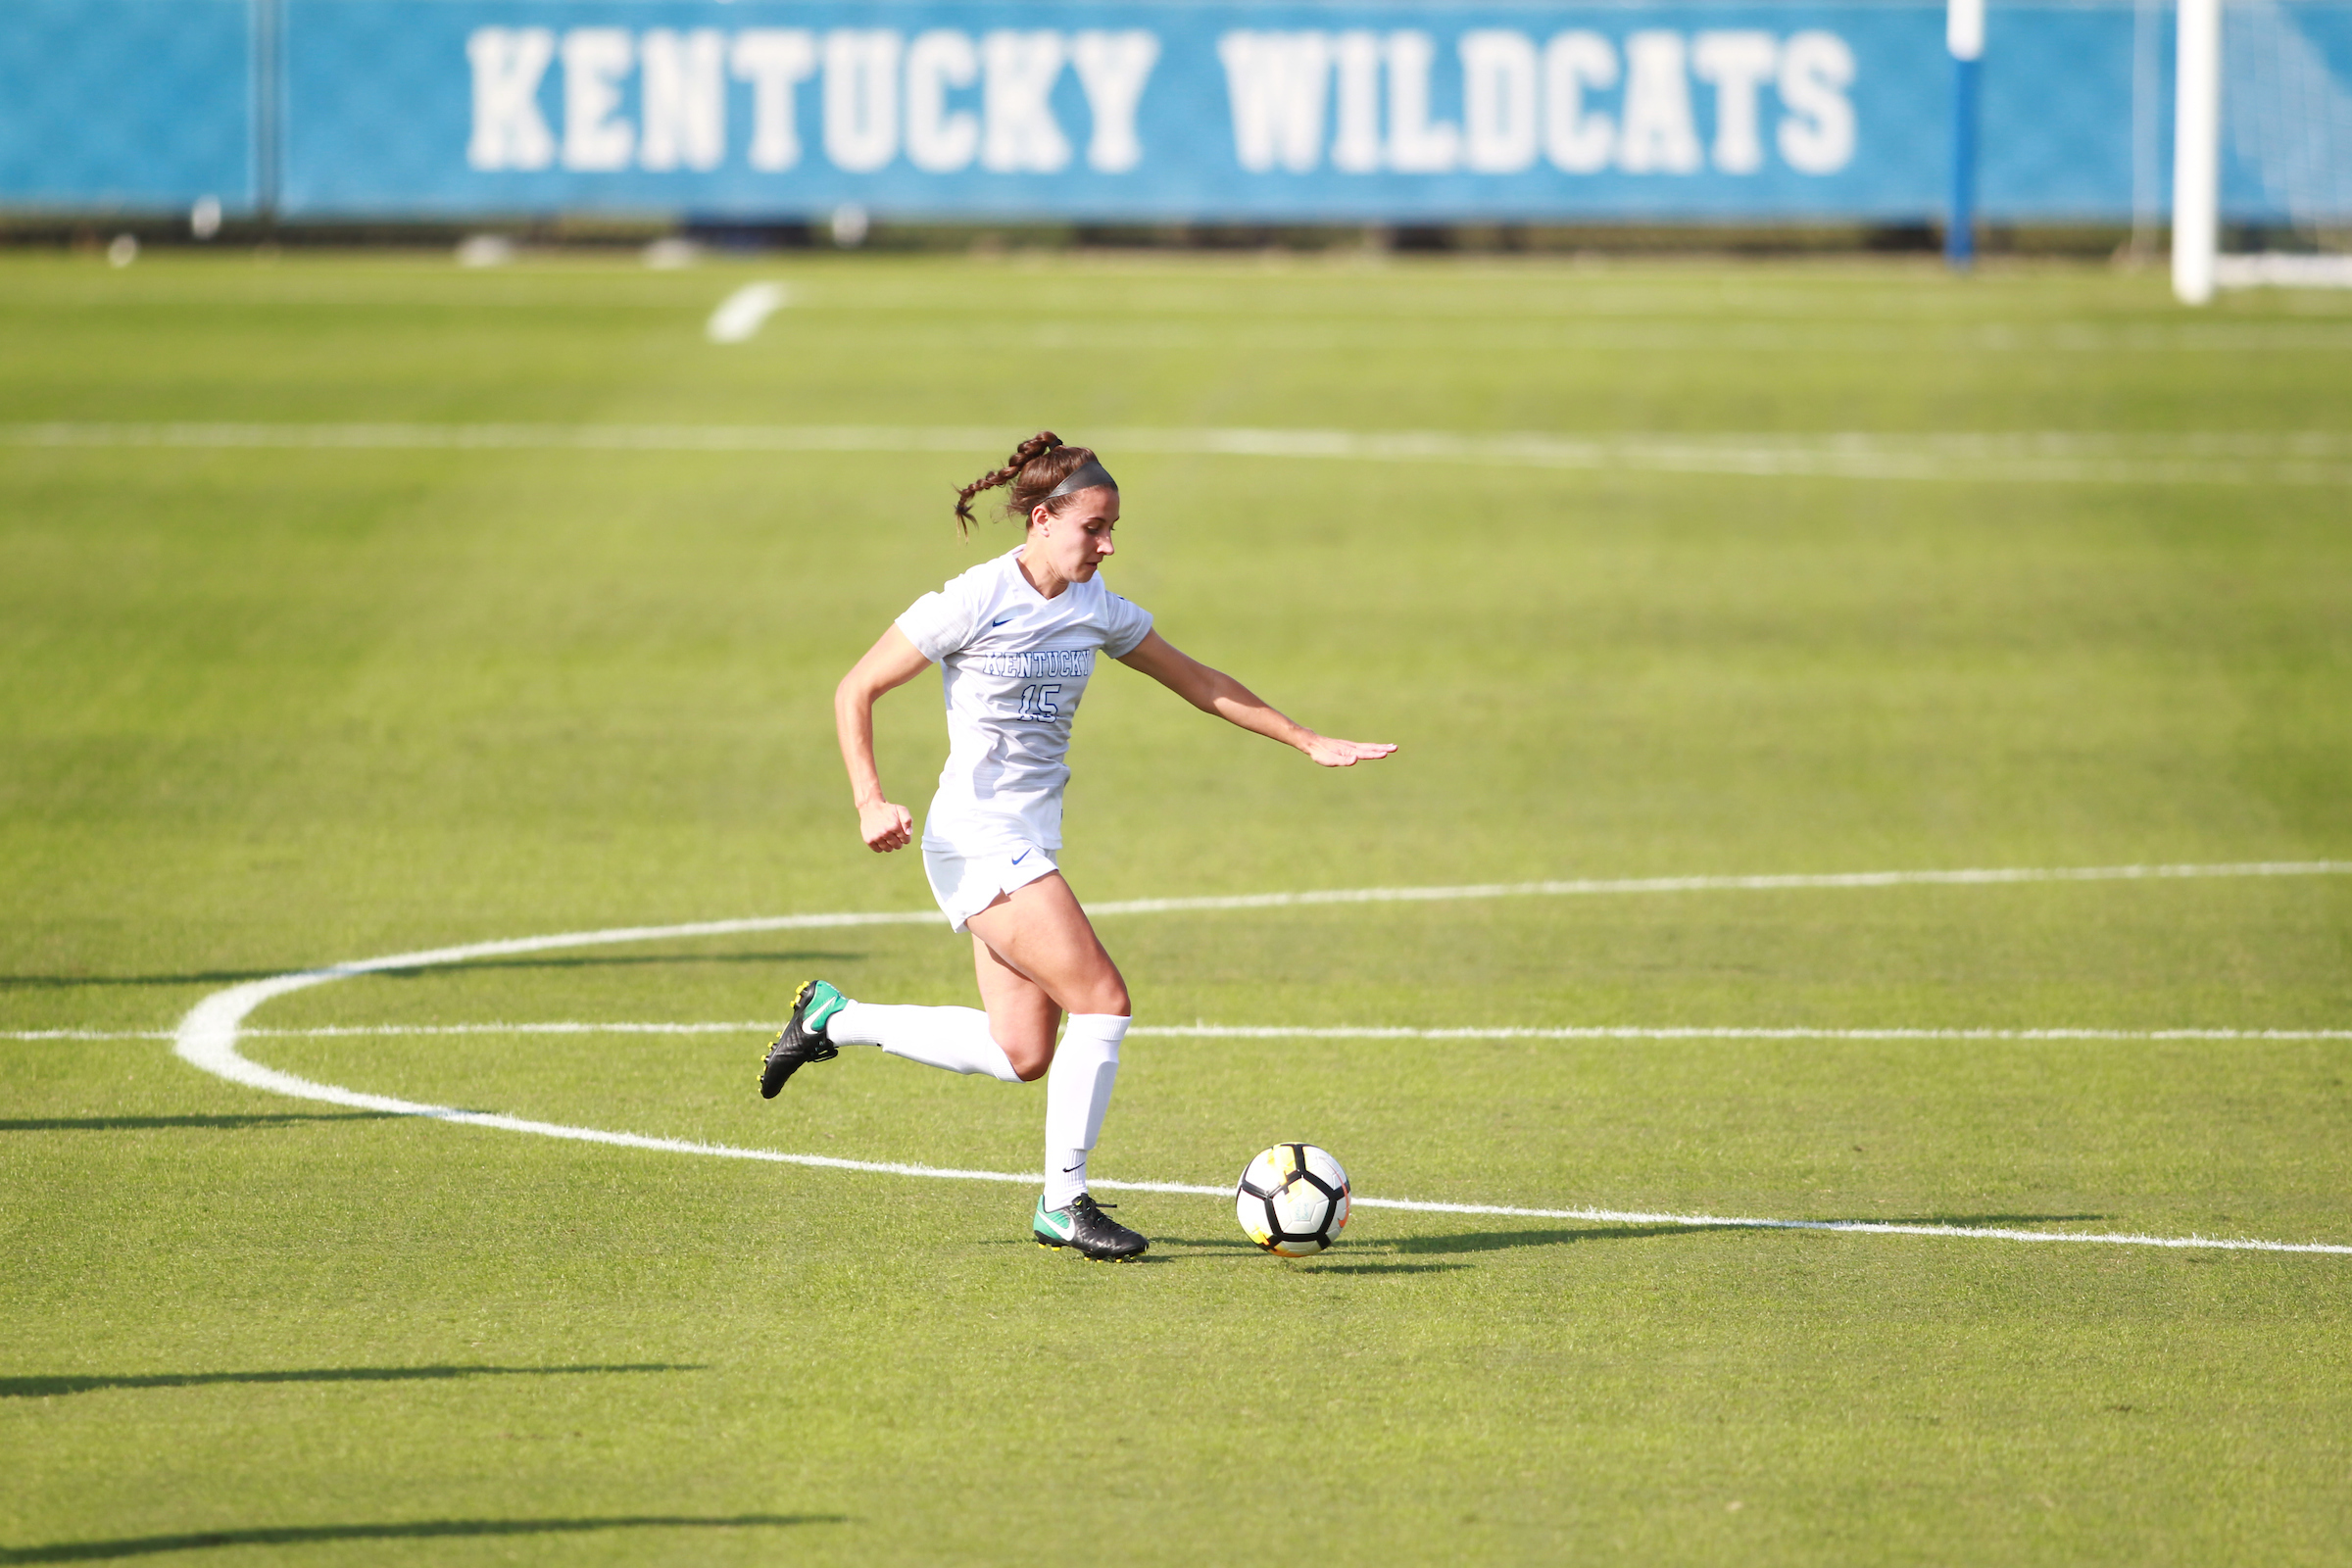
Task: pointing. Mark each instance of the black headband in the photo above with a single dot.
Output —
(1085, 476)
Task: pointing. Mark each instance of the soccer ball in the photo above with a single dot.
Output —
(1293, 1199)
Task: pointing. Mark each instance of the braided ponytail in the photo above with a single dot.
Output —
(1035, 467)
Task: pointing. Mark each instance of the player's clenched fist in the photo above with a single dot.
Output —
(885, 827)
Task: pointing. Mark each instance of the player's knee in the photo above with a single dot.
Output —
(1030, 1057)
(1107, 990)
(1105, 995)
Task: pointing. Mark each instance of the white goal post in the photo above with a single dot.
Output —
(2196, 150)
(2249, 71)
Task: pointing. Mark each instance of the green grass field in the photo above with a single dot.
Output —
(267, 708)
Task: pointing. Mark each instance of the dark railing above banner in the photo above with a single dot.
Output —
(1031, 108)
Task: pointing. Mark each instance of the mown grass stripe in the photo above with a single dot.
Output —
(2188, 457)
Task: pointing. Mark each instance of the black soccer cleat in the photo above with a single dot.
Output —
(804, 1038)
(1085, 1228)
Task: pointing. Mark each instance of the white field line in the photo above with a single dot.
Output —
(207, 1038)
(2275, 270)
(2316, 458)
(1723, 884)
(88, 1034)
(739, 315)
(1212, 1031)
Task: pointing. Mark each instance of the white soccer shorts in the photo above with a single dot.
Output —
(965, 884)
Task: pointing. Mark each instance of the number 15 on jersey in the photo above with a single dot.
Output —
(1037, 703)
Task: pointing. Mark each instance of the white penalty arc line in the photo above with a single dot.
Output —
(2305, 458)
(207, 1038)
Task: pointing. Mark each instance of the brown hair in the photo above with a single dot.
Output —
(1035, 467)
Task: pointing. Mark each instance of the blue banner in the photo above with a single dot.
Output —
(1115, 110)
(1085, 110)
(127, 104)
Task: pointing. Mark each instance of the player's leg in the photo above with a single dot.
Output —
(1040, 931)
(1022, 1018)
(824, 1020)
(956, 1039)
(1012, 1039)
(1040, 945)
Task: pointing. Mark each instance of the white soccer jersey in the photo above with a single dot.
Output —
(1014, 665)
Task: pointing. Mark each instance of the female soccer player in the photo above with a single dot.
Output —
(1015, 640)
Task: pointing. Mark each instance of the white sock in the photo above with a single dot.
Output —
(954, 1038)
(1077, 1093)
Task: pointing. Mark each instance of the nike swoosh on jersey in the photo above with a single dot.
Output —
(1000, 620)
(1019, 859)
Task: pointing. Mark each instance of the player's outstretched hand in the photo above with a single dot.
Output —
(885, 827)
(1333, 753)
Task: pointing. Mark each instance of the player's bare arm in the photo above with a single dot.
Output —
(1212, 690)
(890, 664)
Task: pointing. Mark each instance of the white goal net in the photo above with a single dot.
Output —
(2263, 142)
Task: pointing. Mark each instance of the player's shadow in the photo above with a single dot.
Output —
(1498, 1240)
(408, 1530)
(114, 1124)
(1326, 1264)
(1342, 1261)
(1153, 1258)
(222, 977)
(44, 1388)
(1210, 1244)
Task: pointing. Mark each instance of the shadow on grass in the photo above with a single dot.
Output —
(1336, 1259)
(1220, 1244)
(1459, 1241)
(1498, 1241)
(114, 1124)
(415, 1530)
(1075, 1258)
(1326, 1263)
(42, 1388)
(222, 977)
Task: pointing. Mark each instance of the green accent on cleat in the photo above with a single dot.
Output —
(1085, 1230)
(823, 1003)
(1055, 1223)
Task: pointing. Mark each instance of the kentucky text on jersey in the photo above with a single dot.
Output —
(1038, 664)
